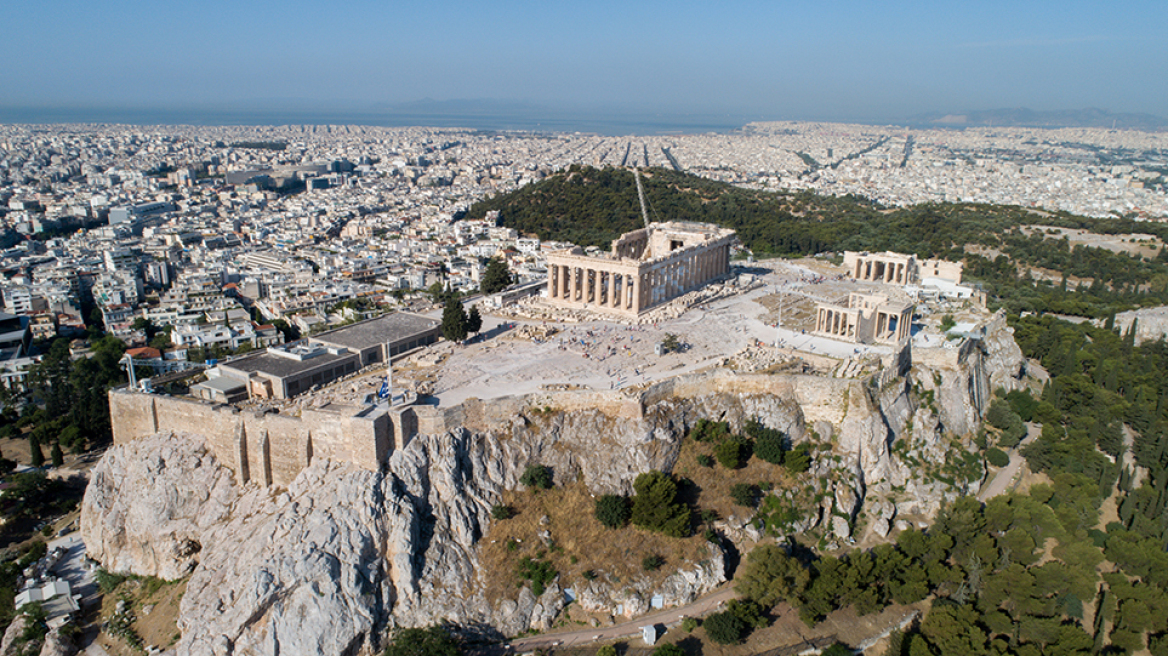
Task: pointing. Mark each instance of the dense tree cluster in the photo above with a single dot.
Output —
(590, 206)
(1028, 573)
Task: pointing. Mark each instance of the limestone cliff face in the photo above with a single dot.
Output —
(150, 502)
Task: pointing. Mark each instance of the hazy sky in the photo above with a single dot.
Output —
(809, 59)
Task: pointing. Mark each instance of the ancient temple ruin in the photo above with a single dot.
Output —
(644, 269)
(899, 269)
(865, 319)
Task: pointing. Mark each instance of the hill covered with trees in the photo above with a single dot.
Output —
(591, 207)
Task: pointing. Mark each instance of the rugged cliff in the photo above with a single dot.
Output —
(327, 565)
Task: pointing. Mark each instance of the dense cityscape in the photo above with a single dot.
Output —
(184, 227)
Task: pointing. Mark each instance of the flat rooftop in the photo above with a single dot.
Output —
(274, 365)
(394, 327)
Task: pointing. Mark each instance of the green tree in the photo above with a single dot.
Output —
(997, 457)
(768, 443)
(431, 641)
(145, 325)
(58, 458)
(724, 628)
(798, 460)
(770, 576)
(656, 507)
(291, 333)
(474, 320)
(744, 494)
(38, 456)
(665, 649)
(612, 510)
(953, 630)
(454, 320)
(496, 277)
(537, 476)
(730, 453)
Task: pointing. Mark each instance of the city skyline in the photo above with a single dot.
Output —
(746, 61)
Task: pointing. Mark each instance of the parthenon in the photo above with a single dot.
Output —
(644, 269)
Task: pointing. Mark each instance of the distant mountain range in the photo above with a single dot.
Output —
(1063, 118)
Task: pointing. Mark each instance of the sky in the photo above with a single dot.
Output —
(826, 59)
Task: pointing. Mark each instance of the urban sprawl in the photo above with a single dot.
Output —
(194, 242)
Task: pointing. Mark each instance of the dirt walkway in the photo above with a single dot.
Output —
(1008, 476)
(699, 608)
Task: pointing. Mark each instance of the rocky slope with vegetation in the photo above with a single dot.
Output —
(329, 564)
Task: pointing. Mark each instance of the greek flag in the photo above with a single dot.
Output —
(383, 393)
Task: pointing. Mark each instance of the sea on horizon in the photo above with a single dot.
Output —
(601, 124)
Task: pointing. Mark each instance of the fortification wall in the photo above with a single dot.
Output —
(269, 448)
(272, 449)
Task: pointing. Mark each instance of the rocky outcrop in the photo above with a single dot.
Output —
(326, 566)
(57, 644)
(342, 555)
(14, 631)
(150, 502)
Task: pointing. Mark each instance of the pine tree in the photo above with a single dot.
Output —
(454, 319)
(497, 277)
(38, 456)
(57, 456)
(474, 320)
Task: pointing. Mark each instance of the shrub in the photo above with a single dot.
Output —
(1003, 418)
(537, 476)
(606, 650)
(770, 448)
(724, 628)
(705, 430)
(748, 611)
(652, 562)
(1022, 404)
(612, 510)
(729, 454)
(432, 641)
(107, 582)
(798, 460)
(743, 494)
(539, 572)
(502, 511)
(705, 460)
(689, 624)
(655, 505)
(668, 649)
(769, 443)
(997, 457)
(838, 649)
